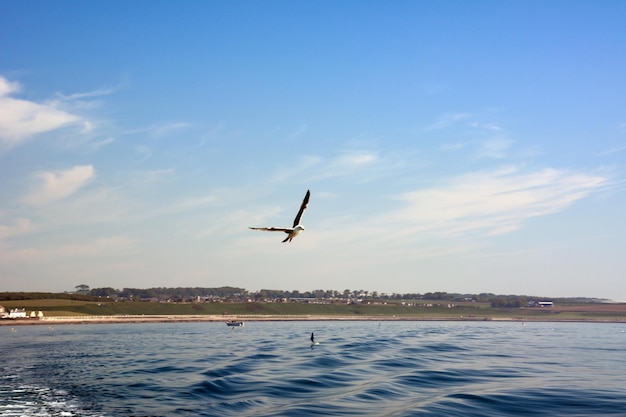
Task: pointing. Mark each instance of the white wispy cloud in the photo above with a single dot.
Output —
(355, 159)
(365, 165)
(346, 163)
(490, 202)
(55, 186)
(159, 130)
(457, 216)
(95, 145)
(7, 87)
(169, 128)
(489, 126)
(22, 119)
(89, 94)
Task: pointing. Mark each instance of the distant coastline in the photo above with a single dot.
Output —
(47, 309)
(49, 321)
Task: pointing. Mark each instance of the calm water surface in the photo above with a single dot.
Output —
(358, 369)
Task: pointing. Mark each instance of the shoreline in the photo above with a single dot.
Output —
(273, 318)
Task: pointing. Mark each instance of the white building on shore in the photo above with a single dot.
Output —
(16, 313)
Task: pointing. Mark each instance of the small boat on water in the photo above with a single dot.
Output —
(234, 323)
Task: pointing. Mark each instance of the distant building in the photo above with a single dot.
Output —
(309, 300)
(540, 304)
(16, 313)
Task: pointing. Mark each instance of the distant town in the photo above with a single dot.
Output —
(219, 303)
(241, 295)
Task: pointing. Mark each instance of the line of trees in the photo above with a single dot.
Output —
(8, 296)
(269, 294)
(509, 301)
(163, 293)
(180, 294)
(235, 293)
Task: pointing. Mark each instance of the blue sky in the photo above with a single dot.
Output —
(448, 145)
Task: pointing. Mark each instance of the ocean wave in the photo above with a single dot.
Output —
(358, 369)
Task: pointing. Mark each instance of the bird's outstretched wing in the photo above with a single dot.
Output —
(303, 207)
(273, 229)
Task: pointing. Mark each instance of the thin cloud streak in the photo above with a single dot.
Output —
(347, 163)
(160, 130)
(55, 186)
(317, 167)
(89, 94)
(22, 119)
(488, 203)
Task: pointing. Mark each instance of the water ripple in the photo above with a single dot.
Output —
(270, 369)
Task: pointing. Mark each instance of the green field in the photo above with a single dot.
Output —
(61, 307)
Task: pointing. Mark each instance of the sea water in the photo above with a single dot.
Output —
(271, 369)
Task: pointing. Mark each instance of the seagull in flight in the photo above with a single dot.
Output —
(297, 227)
